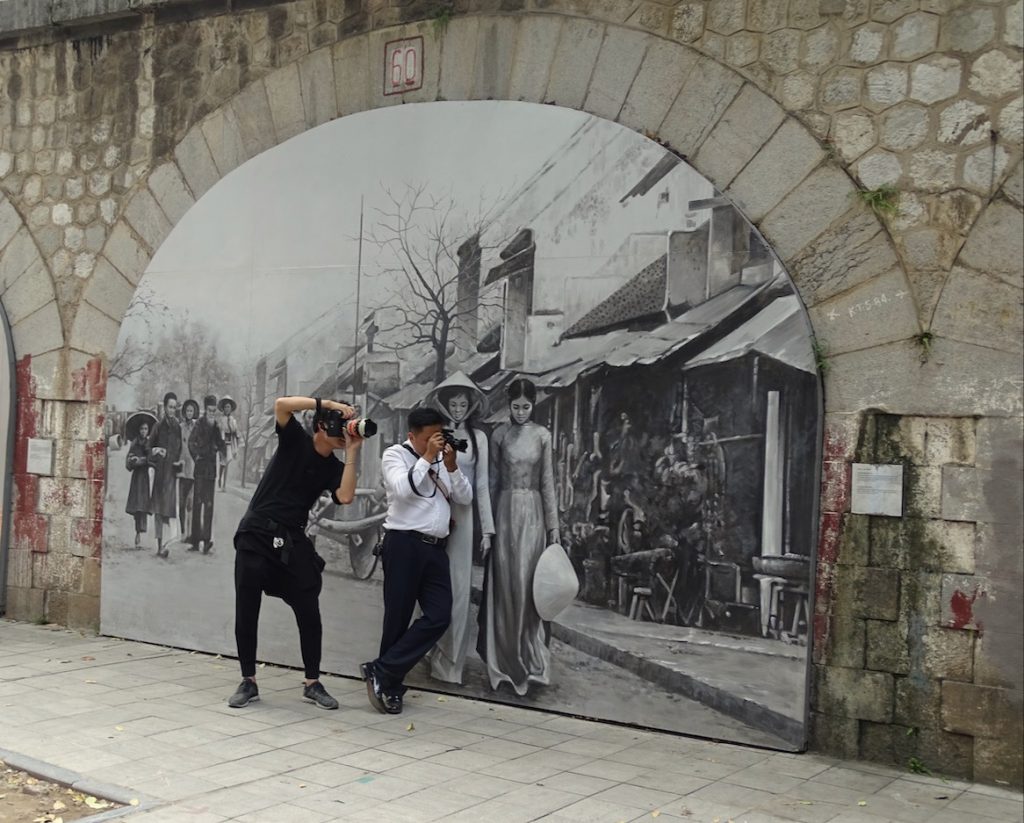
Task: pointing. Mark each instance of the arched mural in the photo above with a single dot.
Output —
(387, 256)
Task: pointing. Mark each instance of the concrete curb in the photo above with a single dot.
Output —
(80, 783)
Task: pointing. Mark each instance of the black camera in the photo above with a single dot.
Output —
(456, 443)
(335, 424)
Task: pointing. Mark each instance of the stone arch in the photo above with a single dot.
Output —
(743, 141)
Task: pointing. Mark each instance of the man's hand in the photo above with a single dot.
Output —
(346, 410)
(485, 546)
(435, 446)
(450, 458)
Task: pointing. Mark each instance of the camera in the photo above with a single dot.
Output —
(335, 424)
(456, 443)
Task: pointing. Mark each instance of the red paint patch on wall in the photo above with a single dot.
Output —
(837, 446)
(828, 540)
(962, 606)
(835, 486)
(822, 630)
(90, 381)
(27, 412)
(26, 493)
(31, 532)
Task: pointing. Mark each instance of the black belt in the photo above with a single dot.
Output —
(281, 534)
(429, 539)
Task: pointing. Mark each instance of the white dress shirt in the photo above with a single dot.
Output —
(427, 512)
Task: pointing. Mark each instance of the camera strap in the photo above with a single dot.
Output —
(431, 473)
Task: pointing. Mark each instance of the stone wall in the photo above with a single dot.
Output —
(805, 113)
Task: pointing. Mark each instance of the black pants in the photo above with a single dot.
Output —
(256, 575)
(202, 507)
(414, 572)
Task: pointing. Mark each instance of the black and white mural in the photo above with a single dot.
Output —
(629, 365)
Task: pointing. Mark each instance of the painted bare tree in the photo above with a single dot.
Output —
(135, 357)
(430, 256)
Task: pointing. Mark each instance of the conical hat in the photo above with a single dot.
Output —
(555, 584)
(458, 381)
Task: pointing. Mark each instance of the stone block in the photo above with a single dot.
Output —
(83, 612)
(962, 595)
(957, 379)
(316, 74)
(252, 113)
(995, 75)
(915, 36)
(19, 568)
(851, 252)
(780, 50)
(40, 332)
(981, 711)
(886, 647)
(58, 571)
(854, 549)
(847, 641)
(918, 703)
(28, 293)
(108, 290)
(998, 759)
(63, 496)
(950, 440)
(968, 30)
(921, 598)
(853, 134)
(904, 127)
(924, 492)
(196, 162)
(617, 65)
(808, 212)
(785, 160)
(835, 487)
(871, 314)
(876, 594)
(854, 693)
(745, 127)
(495, 56)
(147, 219)
(225, 140)
(995, 439)
(284, 98)
(126, 253)
(995, 245)
(57, 607)
(867, 43)
(1014, 33)
(886, 86)
(708, 91)
(841, 89)
(949, 654)
(535, 53)
(835, 736)
(955, 542)
(937, 750)
(663, 72)
(973, 494)
(21, 253)
(352, 75)
(935, 79)
(726, 16)
(93, 332)
(579, 44)
(92, 576)
(1013, 186)
(26, 604)
(458, 58)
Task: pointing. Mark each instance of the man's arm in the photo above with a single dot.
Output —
(284, 407)
(346, 491)
(396, 474)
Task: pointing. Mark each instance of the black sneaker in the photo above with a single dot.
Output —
(373, 689)
(318, 694)
(246, 693)
(393, 703)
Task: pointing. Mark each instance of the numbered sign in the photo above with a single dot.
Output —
(403, 65)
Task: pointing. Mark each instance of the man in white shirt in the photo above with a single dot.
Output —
(422, 479)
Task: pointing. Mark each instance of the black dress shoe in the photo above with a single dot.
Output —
(393, 703)
(373, 689)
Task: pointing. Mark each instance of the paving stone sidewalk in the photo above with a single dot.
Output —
(150, 723)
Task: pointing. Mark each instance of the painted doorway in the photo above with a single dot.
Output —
(674, 432)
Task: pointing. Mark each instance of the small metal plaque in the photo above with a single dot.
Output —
(877, 490)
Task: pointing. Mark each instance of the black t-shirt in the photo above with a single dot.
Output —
(294, 479)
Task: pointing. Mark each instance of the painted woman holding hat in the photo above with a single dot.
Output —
(138, 461)
(460, 400)
(512, 641)
(229, 433)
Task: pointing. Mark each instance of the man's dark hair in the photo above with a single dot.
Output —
(169, 397)
(423, 417)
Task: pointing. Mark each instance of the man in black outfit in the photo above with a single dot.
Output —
(205, 443)
(273, 554)
(420, 493)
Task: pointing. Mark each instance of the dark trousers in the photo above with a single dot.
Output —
(256, 575)
(202, 508)
(185, 504)
(414, 572)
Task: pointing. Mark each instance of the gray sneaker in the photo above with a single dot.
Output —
(318, 694)
(246, 693)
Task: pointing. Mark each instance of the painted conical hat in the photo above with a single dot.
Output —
(555, 584)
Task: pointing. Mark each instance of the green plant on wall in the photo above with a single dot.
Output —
(924, 342)
(820, 357)
(442, 17)
(883, 201)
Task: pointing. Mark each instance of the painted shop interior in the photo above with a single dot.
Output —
(761, 261)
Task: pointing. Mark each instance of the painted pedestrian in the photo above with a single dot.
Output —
(165, 454)
(138, 462)
(461, 400)
(229, 434)
(186, 473)
(512, 638)
(206, 445)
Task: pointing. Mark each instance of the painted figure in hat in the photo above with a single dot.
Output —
(229, 434)
(138, 462)
(165, 454)
(186, 473)
(512, 637)
(460, 400)
(206, 445)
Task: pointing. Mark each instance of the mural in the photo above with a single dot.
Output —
(629, 365)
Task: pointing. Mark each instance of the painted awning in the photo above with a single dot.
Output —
(778, 331)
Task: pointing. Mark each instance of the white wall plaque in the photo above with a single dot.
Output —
(877, 490)
(40, 456)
